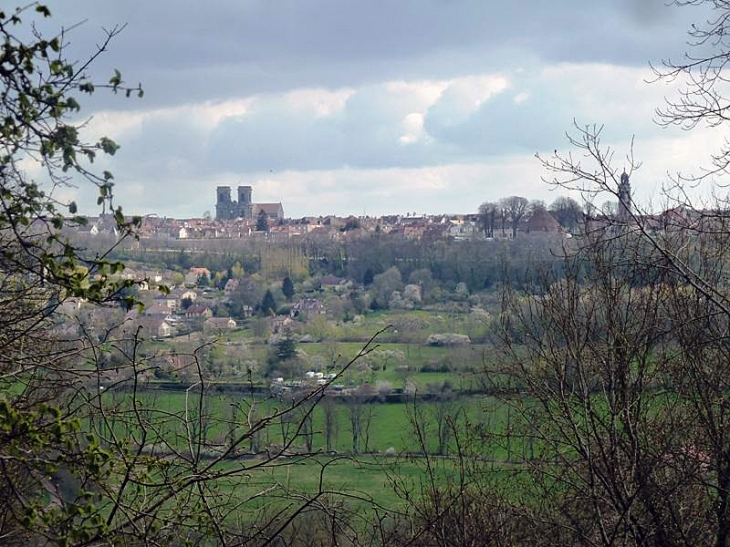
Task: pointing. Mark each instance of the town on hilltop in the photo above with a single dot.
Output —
(507, 218)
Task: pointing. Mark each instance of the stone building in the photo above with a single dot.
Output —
(229, 209)
(624, 198)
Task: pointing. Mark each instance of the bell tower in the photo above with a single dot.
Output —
(624, 198)
(245, 207)
(223, 203)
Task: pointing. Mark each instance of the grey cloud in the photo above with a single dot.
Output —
(276, 136)
(500, 126)
(364, 134)
(183, 51)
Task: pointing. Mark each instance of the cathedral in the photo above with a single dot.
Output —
(228, 209)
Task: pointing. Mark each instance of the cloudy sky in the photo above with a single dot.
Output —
(375, 107)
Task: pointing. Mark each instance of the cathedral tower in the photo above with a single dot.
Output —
(245, 207)
(223, 203)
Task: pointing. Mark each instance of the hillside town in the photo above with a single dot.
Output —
(508, 218)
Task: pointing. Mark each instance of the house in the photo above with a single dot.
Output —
(219, 324)
(188, 295)
(308, 306)
(542, 221)
(280, 324)
(231, 286)
(199, 311)
(157, 309)
(167, 301)
(273, 211)
(246, 311)
(460, 229)
(191, 280)
(154, 326)
(331, 281)
(200, 272)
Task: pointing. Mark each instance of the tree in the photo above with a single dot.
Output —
(385, 283)
(536, 206)
(567, 212)
(628, 365)
(424, 279)
(329, 407)
(287, 287)
(247, 296)
(85, 463)
(514, 209)
(610, 208)
(40, 270)
(286, 349)
(360, 413)
(262, 222)
(618, 360)
(488, 213)
(268, 304)
(702, 72)
(445, 414)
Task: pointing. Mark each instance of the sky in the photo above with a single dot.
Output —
(373, 107)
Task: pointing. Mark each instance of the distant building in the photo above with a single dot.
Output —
(229, 209)
(273, 211)
(624, 198)
(308, 306)
(219, 324)
(542, 221)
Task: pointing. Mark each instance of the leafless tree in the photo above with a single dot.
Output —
(702, 74)
(567, 212)
(488, 213)
(446, 412)
(536, 205)
(360, 413)
(329, 408)
(515, 208)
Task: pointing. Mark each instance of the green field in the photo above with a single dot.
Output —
(176, 417)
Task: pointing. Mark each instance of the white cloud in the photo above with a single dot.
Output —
(321, 102)
(396, 146)
(413, 129)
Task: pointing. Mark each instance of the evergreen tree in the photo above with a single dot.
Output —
(262, 224)
(287, 287)
(268, 304)
(286, 349)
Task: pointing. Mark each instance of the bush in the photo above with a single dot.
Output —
(448, 339)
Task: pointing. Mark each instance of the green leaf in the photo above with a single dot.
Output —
(116, 80)
(56, 66)
(108, 146)
(71, 104)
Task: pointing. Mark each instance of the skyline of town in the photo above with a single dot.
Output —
(342, 121)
